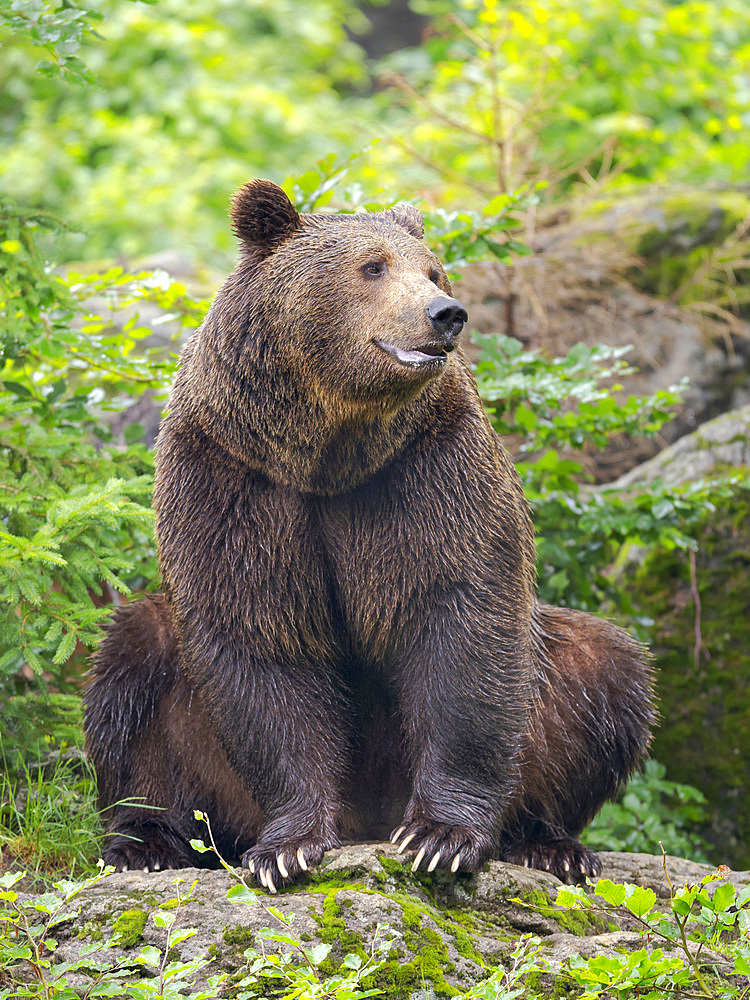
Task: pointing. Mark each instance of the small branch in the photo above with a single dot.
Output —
(697, 601)
(401, 83)
(666, 873)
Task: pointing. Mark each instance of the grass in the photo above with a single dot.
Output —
(49, 821)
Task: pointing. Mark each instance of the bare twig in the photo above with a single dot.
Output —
(697, 601)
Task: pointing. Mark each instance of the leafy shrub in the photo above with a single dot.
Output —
(189, 100)
(74, 498)
(556, 406)
(700, 917)
(650, 813)
(502, 95)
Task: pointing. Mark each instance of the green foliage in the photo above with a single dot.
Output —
(557, 406)
(511, 981)
(27, 952)
(185, 102)
(189, 101)
(503, 95)
(459, 238)
(57, 28)
(707, 915)
(650, 812)
(41, 721)
(701, 641)
(73, 497)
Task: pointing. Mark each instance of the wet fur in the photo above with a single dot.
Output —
(348, 639)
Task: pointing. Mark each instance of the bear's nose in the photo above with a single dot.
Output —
(447, 316)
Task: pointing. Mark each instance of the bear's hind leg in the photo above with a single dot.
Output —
(589, 729)
(156, 757)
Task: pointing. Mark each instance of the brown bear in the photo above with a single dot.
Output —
(349, 640)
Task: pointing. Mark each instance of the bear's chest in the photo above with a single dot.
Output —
(394, 552)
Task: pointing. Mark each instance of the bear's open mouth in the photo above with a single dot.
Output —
(430, 354)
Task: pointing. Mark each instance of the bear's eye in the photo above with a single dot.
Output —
(434, 276)
(374, 268)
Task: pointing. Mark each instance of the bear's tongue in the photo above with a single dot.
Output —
(424, 354)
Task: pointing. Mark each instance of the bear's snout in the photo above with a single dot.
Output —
(447, 316)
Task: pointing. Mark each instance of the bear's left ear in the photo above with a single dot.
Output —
(408, 217)
(263, 217)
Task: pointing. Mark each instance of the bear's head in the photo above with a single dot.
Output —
(360, 308)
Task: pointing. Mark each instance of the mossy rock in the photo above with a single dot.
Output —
(434, 948)
(704, 738)
(704, 692)
(675, 234)
(128, 927)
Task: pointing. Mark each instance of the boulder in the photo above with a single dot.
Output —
(699, 604)
(446, 932)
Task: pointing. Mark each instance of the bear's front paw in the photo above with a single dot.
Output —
(566, 858)
(146, 855)
(447, 845)
(278, 865)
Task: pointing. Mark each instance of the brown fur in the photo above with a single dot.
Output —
(349, 637)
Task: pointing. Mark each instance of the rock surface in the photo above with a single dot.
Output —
(700, 606)
(447, 932)
(583, 284)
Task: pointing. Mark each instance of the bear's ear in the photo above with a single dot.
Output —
(408, 217)
(263, 217)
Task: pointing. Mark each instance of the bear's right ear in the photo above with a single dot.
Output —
(263, 217)
(406, 216)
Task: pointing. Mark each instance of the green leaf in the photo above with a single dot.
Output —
(319, 954)
(611, 892)
(573, 897)
(242, 894)
(640, 901)
(723, 897)
(199, 846)
(150, 956)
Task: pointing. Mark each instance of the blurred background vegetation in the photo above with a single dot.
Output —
(124, 128)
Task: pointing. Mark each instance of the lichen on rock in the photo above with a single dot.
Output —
(446, 934)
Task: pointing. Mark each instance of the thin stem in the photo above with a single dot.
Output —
(691, 958)
(240, 878)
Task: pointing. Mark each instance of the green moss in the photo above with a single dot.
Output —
(91, 929)
(549, 985)
(128, 927)
(318, 879)
(430, 961)
(333, 931)
(578, 922)
(704, 739)
(394, 872)
(536, 897)
(692, 224)
(238, 936)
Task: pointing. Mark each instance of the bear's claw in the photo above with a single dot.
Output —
(128, 854)
(565, 858)
(450, 846)
(274, 867)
